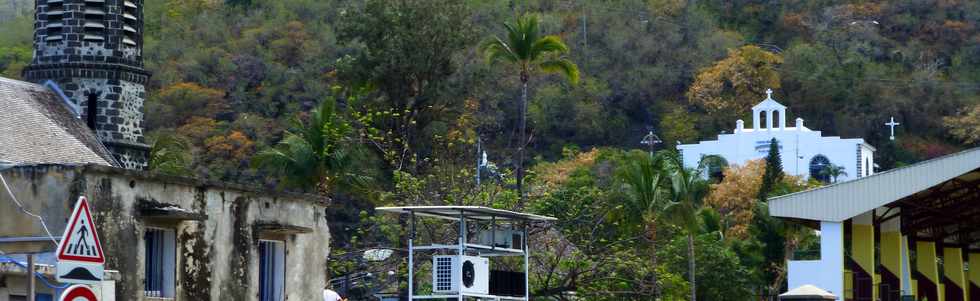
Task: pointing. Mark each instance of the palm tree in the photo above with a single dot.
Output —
(685, 195)
(170, 155)
(833, 171)
(312, 154)
(643, 202)
(530, 53)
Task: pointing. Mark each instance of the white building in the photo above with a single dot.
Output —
(804, 152)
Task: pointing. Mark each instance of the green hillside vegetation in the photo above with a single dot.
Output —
(405, 95)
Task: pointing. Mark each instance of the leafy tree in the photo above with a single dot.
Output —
(735, 197)
(175, 104)
(312, 155)
(774, 170)
(562, 115)
(678, 124)
(731, 86)
(720, 274)
(406, 50)
(529, 53)
(965, 126)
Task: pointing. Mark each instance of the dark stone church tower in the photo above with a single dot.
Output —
(92, 51)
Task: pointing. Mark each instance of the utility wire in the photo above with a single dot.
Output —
(24, 210)
(38, 275)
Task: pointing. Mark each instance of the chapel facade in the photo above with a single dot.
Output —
(804, 152)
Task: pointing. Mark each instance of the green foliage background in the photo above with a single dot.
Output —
(228, 78)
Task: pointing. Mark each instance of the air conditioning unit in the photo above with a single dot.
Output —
(473, 274)
(503, 238)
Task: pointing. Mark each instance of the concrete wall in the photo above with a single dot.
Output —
(217, 257)
(826, 273)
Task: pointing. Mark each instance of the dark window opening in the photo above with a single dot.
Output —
(818, 168)
(715, 166)
(92, 110)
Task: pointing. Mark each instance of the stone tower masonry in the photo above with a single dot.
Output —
(92, 51)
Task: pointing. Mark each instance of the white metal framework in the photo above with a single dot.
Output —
(460, 215)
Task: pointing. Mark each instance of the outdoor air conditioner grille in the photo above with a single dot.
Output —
(444, 274)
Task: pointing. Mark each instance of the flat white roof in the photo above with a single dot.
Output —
(471, 212)
(841, 201)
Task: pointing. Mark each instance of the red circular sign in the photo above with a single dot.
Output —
(78, 292)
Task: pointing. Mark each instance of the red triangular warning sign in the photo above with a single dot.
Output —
(81, 241)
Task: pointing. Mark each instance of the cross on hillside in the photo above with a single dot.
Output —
(892, 124)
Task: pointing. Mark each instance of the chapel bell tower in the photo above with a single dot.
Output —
(91, 50)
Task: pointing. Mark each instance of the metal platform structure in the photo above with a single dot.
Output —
(461, 215)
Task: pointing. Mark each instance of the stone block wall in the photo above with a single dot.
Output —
(93, 51)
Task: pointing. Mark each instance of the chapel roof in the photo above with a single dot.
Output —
(769, 103)
(37, 127)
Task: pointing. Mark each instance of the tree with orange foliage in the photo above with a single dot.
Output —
(736, 195)
(731, 86)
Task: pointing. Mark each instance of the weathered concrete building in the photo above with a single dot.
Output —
(177, 238)
(76, 129)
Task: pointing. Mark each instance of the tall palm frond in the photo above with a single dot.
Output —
(170, 154)
(530, 53)
(312, 154)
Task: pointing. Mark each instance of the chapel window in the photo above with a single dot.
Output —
(818, 168)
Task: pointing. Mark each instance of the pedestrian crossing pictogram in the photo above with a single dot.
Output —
(81, 240)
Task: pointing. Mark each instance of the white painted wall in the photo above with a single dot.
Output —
(828, 272)
(798, 145)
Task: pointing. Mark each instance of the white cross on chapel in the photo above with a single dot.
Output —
(892, 124)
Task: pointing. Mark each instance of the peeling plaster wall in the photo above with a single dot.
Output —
(217, 258)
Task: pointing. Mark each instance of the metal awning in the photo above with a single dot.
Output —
(470, 212)
(842, 201)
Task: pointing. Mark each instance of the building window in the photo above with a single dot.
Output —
(159, 263)
(272, 270)
(715, 166)
(818, 166)
(92, 110)
(867, 167)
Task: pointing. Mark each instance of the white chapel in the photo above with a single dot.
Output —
(804, 152)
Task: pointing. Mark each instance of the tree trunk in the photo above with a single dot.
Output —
(522, 144)
(691, 267)
(652, 232)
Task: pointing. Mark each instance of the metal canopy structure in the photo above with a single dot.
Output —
(949, 212)
(936, 200)
(915, 227)
(461, 216)
(841, 201)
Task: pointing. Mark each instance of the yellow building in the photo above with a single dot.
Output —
(905, 234)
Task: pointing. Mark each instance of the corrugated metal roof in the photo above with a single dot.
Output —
(841, 201)
(37, 128)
